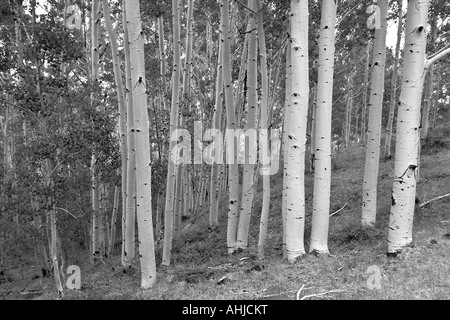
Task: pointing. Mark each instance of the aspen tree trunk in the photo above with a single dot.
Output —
(365, 93)
(171, 170)
(393, 103)
(141, 125)
(287, 109)
(296, 135)
(112, 238)
(122, 109)
(429, 88)
(239, 94)
(369, 206)
(264, 137)
(215, 191)
(313, 129)
(233, 173)
(96, 218)
(162, 58)
(130, 196)
(248, 178)
(322, 163)
(408, 122)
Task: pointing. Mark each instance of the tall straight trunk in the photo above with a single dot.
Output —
(112, 238)
(365, 93)
(287, 108)
(171, 170)
(130, 196)
(122, 109)
(313, 129)
(393, 102)
(95, 68)
(429, 88)
(348, 110)
(408, 133)
(215, 191)
(296, 142)
(322, 159)
(141, 125)
(233, 173)
(162, 58)
(369, 206)
(248, 178)
(264, 137)
(239, 94)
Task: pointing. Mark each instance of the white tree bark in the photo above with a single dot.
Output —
(248, 178)
(233, 174)
(408, 133)
(171, 170)
(143, 169)
(369, 206)
(296, 135)
(322, 152)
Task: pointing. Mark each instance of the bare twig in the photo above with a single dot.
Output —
(334, 213)
(67, 211)
(435, 199)
(320, 294)
(246, 7)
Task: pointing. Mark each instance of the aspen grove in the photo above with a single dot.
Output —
(199, 142)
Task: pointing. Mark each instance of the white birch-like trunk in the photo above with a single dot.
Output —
(171, 169)
(408, 133)
(322, 152)
(214, 193)
(143, 169)
(370, 182)
(296, 135)
(264, 136)
(130, 210)
(365, 93)
(287, 108)
(112, 238)
(248, 177)
(122, 108)
(393, 102)
(233, 174)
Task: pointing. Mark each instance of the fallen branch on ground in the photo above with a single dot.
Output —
(435, 199)
(334, 213)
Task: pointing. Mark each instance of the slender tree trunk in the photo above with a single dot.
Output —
(171, 170)
(287, 109)
(122, 110)
(322, 163)
(369, 207)
(233, 173)
(248, 178)
(408, 122)
(393, 103)
(365, 93)
(130, 196)
(263, 137)
(112, 238)
(141, 125)
(215, 191)
(296, 142)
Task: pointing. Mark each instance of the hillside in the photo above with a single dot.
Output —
(202, 269)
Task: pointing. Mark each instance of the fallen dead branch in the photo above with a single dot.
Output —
(334, 213)
(435, 199)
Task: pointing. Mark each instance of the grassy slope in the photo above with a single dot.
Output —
(202, 270)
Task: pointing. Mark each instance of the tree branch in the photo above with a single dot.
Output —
(438, 55)
(435, 199)
(246, 7)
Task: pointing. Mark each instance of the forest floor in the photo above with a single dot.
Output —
(202, 270)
